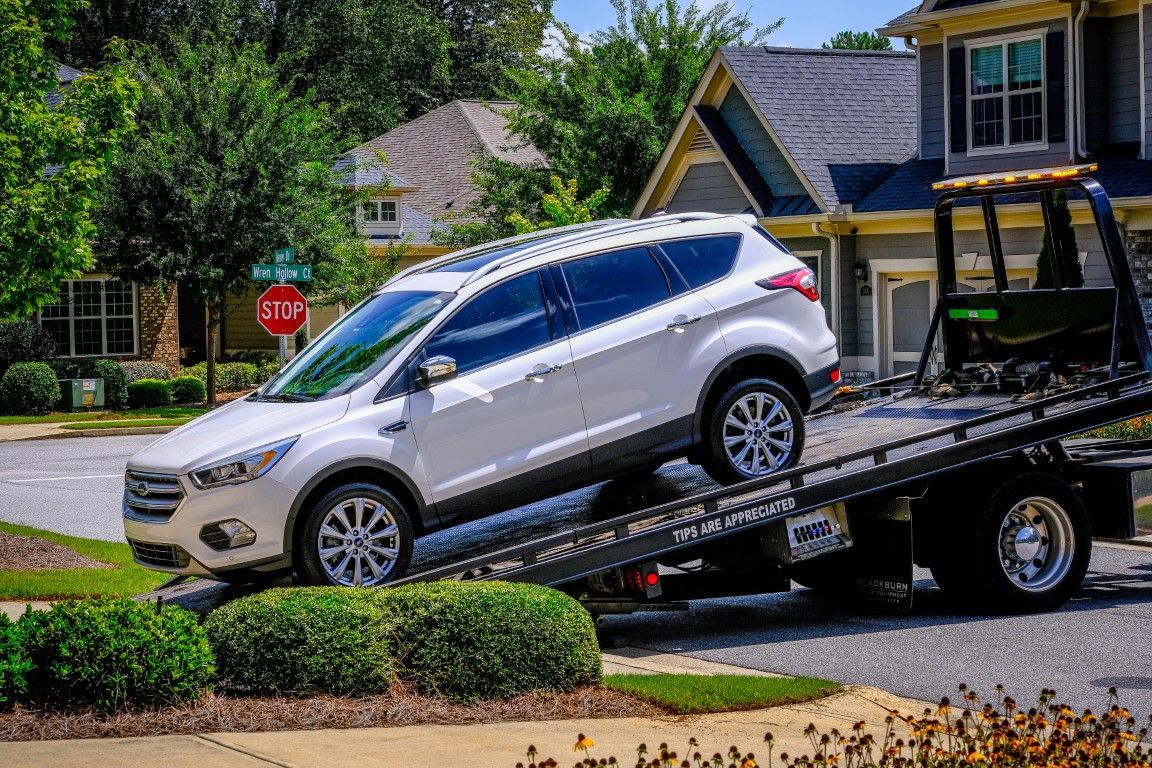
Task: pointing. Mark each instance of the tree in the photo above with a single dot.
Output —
(858, 41)
(1066, 236)
(51, 158)
(227, 165)
(505, 189)
(602, 110)
(562, 206)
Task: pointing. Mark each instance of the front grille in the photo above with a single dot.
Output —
(151, 497)
(166, 555)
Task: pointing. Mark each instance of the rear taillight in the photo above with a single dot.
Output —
(802, 280)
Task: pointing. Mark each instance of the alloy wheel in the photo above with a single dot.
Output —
(1036, 544)
(758, 434)
(358, 542)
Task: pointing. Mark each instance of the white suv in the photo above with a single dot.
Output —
(489, 378)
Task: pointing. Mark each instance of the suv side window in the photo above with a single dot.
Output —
(611, 285)
(502, 322)
(702, 260)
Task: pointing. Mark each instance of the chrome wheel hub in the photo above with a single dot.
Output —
(358, 542)
(758, 434)
(1036, 544)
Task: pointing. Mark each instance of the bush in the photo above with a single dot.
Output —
(111, 654)
(188, 389)
(115, 382)
(65, 369)
(491, 639)
(29, 389)
(23, 341)
(13, 664)
(235, 377)
(149, 393)
(198, 371)
(135, 370)
(303, 641)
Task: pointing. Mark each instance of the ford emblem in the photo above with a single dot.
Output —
(142, 488)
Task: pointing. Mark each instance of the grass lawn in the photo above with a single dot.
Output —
(128, 423)
(694, 694)
(126, 580)
(171, 412)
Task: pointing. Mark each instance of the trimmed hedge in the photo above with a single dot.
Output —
(134, 370)
(13, 664)
(233, 377)
(188, 389)
(111, 654)
(303, 641)
(149, 393)
(469, 641)
(115, 382)
(29, 389)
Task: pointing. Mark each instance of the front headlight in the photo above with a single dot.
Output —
(243, 466)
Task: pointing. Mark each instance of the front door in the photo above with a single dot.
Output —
(510, 426)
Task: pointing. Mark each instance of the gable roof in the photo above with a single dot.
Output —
(846, 118)
(366, 169)
(65, 74)
(434, 153)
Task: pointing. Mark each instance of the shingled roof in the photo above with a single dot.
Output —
(434, 153)
(847, 118)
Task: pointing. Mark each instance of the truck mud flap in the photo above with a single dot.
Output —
(883, 531)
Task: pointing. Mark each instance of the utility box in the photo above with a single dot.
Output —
(81, 394)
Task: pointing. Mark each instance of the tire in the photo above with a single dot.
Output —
(772, 438)
(1027, 551)
(337, 523)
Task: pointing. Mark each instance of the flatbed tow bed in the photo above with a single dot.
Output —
(1002, 510)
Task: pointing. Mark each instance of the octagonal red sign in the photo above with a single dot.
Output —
(282, 310)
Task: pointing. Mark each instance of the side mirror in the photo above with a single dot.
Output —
(435, 370)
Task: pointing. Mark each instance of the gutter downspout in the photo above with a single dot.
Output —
(1078, 58)
(833, 239)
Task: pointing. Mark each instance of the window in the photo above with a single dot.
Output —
(612, 285)
(703, 260)
(506, 320)
(387, 211)
(1006, 93)
(378, 212)
(93, 317)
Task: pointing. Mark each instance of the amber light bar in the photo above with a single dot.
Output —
(1016, 177)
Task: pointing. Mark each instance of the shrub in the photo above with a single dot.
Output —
(114, 653)
(198, 371)
(14, 664)
(29, 389)
(301, 641)
(149, 393)
(188, 389)
(491, 639)
(65, 369)
(235, 377)
(135, 370)
(115, 382)
(23, 341)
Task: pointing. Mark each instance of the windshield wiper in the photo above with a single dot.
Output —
(285, 397)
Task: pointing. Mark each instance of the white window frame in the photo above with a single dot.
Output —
(394, 215)
(103, 317)
(1004, 41)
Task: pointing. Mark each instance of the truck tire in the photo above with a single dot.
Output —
(356, 535)
(756, 428)
(1027, 550)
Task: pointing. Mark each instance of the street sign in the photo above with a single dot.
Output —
(282, 310)
(284, 255)
(283, 273)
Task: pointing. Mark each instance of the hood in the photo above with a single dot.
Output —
(233, 428)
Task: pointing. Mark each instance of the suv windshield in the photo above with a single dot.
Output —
(357, 347)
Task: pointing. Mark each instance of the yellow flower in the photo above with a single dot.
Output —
(976, 757)
(583, 742)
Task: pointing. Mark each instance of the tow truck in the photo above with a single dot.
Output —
(964, 466)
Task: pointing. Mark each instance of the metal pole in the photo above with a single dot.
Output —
(283, 350)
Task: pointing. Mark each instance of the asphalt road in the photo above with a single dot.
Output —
(1100, 639)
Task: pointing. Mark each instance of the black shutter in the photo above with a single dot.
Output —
(1055, 74)
(957, 94)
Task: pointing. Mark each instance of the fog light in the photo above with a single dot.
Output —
(227, 534)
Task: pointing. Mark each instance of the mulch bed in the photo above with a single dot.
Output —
(215, 713)
(27, 553)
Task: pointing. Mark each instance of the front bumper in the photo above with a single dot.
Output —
(172, 544)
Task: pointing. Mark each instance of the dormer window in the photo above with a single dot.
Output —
(379, 212)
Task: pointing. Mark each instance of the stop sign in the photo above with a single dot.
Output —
(282, 310)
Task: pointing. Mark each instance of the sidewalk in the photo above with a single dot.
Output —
(48, 431)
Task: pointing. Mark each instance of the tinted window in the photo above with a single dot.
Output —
(613, 285)
(502, 322)
(702, 260)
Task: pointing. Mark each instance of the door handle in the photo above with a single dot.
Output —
(680, 322)
(540, 371)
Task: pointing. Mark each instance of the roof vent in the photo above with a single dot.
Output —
(700, 142)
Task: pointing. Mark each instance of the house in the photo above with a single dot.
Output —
(835, 151)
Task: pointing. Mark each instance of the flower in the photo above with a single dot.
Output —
(583, 743)
(976, 757)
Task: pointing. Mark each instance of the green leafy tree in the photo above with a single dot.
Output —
(858, 41)
(602, 109)
(227, 165)
(51, 157)
(505, 189)
(562, 206)
(1066, 236)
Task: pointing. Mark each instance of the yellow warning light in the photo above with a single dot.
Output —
(985, 180)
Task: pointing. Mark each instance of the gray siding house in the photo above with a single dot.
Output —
(835, 151)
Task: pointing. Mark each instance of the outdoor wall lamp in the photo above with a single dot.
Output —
(860, 272)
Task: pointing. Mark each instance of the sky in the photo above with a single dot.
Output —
(807, 23)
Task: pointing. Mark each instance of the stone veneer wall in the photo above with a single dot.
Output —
(160, 326)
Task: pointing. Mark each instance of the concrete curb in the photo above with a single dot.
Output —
(114, 432)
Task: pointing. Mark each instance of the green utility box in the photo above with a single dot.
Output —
(81, 394)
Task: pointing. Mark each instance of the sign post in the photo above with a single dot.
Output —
(275, 306)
